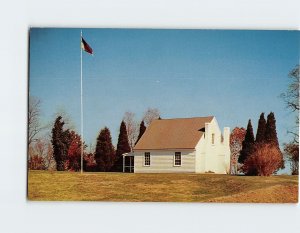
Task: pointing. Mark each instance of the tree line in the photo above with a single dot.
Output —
(64, 149)
(261, 155)
(61, 149)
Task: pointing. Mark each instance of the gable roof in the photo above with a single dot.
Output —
(179, 133)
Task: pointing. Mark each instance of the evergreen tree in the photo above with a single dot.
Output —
(271, 134)
(122, 147)
(60, 143)
(142, 131)
(248, 143)
(261, 129)
(105, 153)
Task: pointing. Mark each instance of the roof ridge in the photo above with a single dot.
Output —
(184, 118)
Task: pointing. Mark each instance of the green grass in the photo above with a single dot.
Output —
(71, 186)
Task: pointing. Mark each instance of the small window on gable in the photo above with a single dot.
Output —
(213, 138)
(177, 159)
(147, 159)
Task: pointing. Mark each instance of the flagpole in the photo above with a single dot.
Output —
(81, 104)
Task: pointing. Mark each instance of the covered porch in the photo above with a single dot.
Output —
(128, 162)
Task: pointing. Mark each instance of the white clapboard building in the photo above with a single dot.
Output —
(191, 145)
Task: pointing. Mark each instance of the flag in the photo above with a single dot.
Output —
(85, 46)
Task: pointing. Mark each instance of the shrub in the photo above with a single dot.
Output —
(264, 160)
(36, 163)
(89, 163)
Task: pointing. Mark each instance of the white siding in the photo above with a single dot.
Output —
(213, 157)
(162, 161)
(200, 156)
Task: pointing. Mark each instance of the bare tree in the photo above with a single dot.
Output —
(49, 158)
(291, 98)
(237, 137)
(41, 155)
(34, 126)
(42, 148)
(131, 127)
(150, 115)
(291, 150)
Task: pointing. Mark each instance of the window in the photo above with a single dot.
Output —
(213, 139)
(147, 159)
(177, 159)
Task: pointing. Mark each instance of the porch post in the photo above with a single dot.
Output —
(123, 163)
(130, 163)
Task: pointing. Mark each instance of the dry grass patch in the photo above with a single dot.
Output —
(71, 186)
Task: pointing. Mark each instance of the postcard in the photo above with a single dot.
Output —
(163, 115)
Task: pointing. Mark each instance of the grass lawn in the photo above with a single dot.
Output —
(72, 186)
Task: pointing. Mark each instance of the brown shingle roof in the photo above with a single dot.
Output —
(180, 133)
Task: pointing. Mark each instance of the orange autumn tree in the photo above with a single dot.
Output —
(36, 162)
(265, 159)
(74, 152)
(237, 137)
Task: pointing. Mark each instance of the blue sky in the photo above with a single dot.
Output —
(233, 75)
